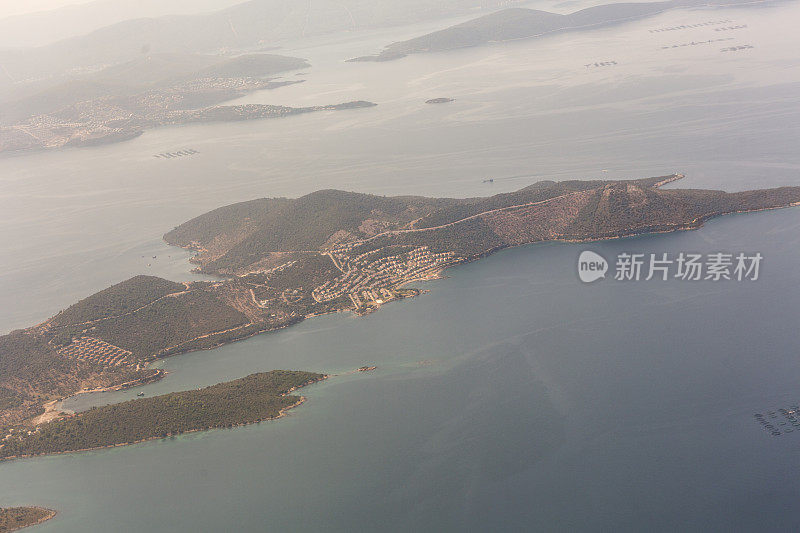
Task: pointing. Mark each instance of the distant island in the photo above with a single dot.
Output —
(258, 25)
(15, 518)
(439, 100)
(523, 23)
(120, 102)
(284, 260)
(248, 400)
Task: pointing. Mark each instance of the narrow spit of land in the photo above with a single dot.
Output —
(14, 518)
(255, 398)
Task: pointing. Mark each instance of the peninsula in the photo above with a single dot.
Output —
(284, 260)
(248, 400)
(517, 23)
(121, 101)
(15, 518)
(523, 23)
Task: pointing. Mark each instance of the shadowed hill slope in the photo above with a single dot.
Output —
(291, 259)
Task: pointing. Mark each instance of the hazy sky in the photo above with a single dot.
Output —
(38, 22)
(17, 7)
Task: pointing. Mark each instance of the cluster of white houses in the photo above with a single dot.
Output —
(366, 281)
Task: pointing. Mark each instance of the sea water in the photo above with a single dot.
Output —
(511, 396)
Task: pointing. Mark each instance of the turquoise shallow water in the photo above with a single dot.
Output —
(509, 397)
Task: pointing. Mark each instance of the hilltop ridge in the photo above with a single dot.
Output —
(286, 260)
(525, 23)
(249, 25)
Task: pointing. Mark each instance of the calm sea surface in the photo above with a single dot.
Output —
(510, 397)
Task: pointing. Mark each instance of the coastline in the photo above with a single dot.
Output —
(220, 338)
(57, 404)
(160, 373)
(50, 514)
(148, 124)
(281, 413)
(695, 224)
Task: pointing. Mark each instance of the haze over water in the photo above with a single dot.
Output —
(510, 397)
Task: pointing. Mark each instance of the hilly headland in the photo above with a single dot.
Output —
(524, 23)
(281, 261)
(252, 399)
(119, 102)
(16, 518)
